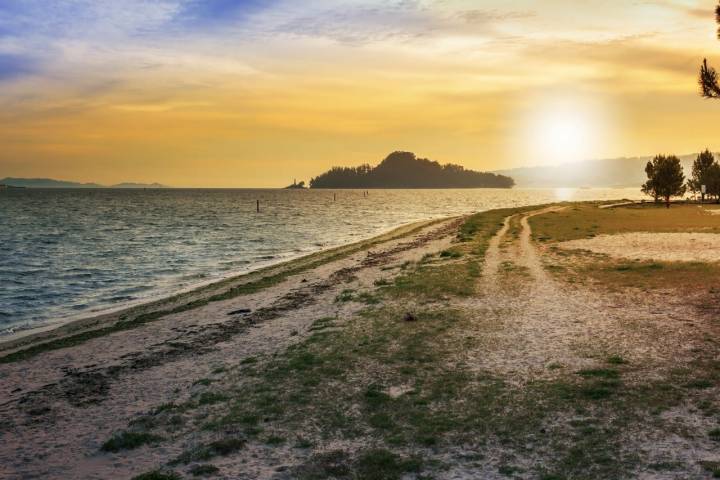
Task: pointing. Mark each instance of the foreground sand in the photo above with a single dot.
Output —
(517, 362)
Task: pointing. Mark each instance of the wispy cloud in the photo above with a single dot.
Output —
(13, 66)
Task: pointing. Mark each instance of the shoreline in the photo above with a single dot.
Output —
(492, 333)
(94, 320)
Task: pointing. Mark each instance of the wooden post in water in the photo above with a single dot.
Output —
(334, 197)
(257, 206)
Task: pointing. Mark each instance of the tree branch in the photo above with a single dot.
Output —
(709, 80)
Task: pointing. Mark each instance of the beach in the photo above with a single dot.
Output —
(515, 343)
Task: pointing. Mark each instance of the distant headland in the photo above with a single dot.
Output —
(10, 182)
(296, 186)
(405, 170)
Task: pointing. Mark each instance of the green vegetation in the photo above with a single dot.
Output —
(616, 360)
(129, 441)
(586, 220)
(204, 470)
(708, 76)
(158, 475)
(217, 448)
(665, 178)
(450, 253)
(705, 172)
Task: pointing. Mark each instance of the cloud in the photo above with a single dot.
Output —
(13, 66)
(628, 54)
(200, 13)
(402, 20)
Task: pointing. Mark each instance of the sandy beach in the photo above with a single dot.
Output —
(509, 344)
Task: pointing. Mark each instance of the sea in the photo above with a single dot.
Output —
(73, 253)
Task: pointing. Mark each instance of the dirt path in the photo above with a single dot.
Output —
(550, 329)
(492, 254)
(547, 323)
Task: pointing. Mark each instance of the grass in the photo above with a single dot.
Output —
(450, 253)
(129, 441)
(346, 295)
(585, 220)
(217, 448)
(158, 475)
(275, 440)
(211, 398)
(371, 464)
(204, 470)
(616, 360)
(381, 464)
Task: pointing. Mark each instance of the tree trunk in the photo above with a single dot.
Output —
(702, 198)
(667, 201)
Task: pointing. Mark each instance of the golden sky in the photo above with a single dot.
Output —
(249, 93)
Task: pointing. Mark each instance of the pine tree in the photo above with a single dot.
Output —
(708, 75)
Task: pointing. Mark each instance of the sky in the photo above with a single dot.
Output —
(251, 93)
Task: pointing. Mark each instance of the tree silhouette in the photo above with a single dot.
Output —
(700, 169)
(405, 170)
(708, 75)
(665, 178)
(648, 187)
(712, 179)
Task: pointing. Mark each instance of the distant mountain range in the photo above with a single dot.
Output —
(50, 183)
(615, 172)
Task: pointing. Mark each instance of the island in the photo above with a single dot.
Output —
(405, 170)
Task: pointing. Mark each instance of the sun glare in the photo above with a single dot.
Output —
(563, 130)
(563, 135)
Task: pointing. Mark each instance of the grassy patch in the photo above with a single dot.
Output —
(372, 464)
(584, 219)
(616, 360)
(158, 475)
(211, 398)
(275, 440)
(204, 470)
(129, 441)
(218, 448)
(435, 281)
(346, 295)
(381, 464)
(450, 253)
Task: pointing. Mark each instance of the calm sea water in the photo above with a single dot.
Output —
(70, 253)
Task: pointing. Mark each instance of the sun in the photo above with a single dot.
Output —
(563, 131)
(563, 135)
